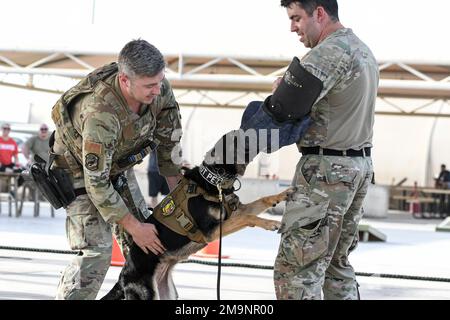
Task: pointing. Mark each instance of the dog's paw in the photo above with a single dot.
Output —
(271, 225)
(283, 196)
(289, 192)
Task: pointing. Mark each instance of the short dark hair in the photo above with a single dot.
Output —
(330, 6)
(140, 58)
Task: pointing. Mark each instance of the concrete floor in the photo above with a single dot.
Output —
(412, 248)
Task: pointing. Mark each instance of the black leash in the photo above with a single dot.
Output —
(219, 259)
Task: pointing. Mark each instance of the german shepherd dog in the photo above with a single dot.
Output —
(147, 276)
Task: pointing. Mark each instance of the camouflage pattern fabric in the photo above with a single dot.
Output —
(320, 228)
(343, 115)
(320, 223)
(88, 232)
(113, 133)
(103, 130)
(135, 201)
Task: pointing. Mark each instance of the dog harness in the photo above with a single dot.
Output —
(173, 210)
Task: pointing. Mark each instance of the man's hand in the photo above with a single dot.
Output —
(144, 235)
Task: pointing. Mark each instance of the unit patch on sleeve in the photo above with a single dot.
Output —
(91, 161)
(93, 151)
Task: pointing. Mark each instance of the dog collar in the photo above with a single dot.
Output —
(216, 178)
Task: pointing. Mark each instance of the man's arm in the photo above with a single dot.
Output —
(26, 153)
(168, 132)
(28, 147)
(16, 160)
(100, 136)
(26, 150)
(15, 156)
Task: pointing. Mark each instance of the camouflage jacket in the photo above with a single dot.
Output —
(343, 115)
(96, 129)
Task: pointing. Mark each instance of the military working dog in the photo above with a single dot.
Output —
(187, 220)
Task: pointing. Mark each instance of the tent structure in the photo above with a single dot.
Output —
(241, 75)
(407, 89)
(220, 56)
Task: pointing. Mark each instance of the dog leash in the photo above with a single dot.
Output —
(219, 262)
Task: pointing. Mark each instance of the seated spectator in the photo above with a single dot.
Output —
(37, 144)
(9, 152)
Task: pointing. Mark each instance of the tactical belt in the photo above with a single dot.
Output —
(342, 153)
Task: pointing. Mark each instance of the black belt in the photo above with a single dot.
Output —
(80, 191)
(341, 153)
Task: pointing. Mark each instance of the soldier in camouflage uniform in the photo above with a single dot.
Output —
(320, 224)
(105, 125)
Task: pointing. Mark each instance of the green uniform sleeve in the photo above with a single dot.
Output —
(328, 63)
(100, 132)
(168, 132)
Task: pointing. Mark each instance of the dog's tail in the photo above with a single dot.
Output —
(116, 293)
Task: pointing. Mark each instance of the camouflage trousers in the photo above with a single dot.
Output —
(88, 233)
(320, 228)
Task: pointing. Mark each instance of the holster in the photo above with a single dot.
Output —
(55, 184)
(295, 95)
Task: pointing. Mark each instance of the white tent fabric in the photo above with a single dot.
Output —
(397, 31)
